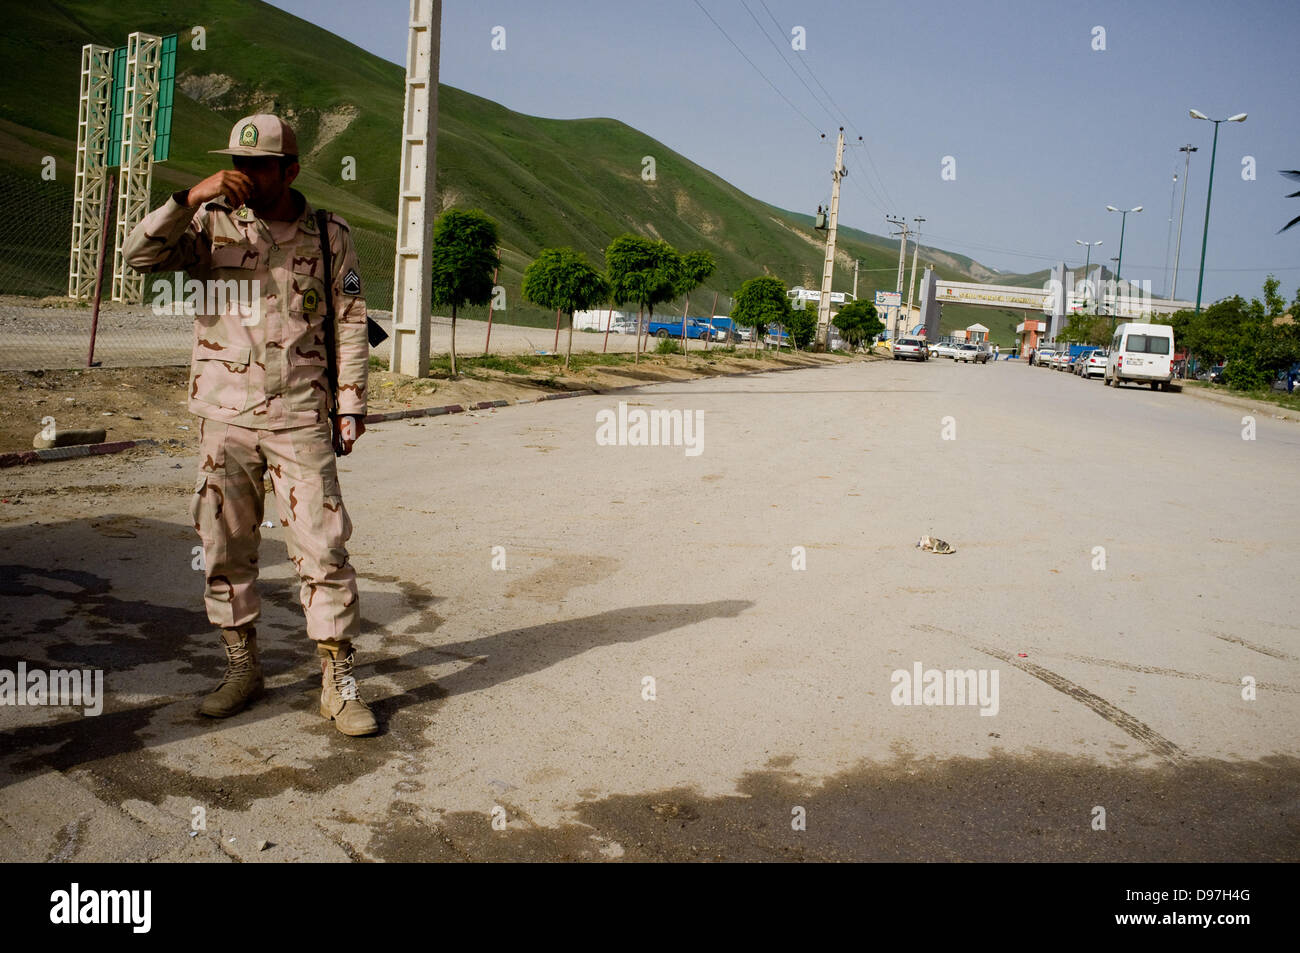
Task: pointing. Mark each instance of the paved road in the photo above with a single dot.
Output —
(523, 691)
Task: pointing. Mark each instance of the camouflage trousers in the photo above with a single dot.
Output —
(227, 511)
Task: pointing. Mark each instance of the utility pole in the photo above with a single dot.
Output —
(856, 263)
(902, 259)
(911, 284)
(1187, 168)
(828, 265)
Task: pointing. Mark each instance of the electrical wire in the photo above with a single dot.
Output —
(884, 192)
(756, 69)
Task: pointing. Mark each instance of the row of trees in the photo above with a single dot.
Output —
(641, 270)
(1254, 339)
(644, 271)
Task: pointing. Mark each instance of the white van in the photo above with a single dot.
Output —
(1142, 353)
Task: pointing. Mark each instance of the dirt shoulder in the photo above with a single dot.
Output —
(135, 403)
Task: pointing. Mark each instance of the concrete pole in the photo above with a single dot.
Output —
(902, 261)
(828, 264)
(416, 199)
(911, 285)
(856, 263)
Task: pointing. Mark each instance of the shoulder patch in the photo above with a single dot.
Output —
(352, 282)
(340, 221)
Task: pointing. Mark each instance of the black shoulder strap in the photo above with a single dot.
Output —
(331, 332)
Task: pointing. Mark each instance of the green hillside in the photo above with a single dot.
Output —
(547, 182)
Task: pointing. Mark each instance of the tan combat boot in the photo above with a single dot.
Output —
(243, 680)
(338, 697)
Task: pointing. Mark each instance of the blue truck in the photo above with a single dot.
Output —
(696, 329)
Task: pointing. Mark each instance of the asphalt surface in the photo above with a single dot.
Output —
(521, 692)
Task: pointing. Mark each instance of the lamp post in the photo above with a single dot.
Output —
(1087, 262)
(1119, 262)
(1240, 117)
(1178, 249)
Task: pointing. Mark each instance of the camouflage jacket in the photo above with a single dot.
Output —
(261, 363)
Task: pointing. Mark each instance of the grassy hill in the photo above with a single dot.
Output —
(546, 182)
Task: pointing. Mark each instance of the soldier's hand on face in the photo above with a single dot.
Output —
(234, 185)
(351, 427)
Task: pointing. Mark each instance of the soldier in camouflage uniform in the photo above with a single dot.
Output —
(258, 384)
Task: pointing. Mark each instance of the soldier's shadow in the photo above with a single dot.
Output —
(121, 594)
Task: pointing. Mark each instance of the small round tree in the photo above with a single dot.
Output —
(465, 258)
(858, 322)
(561, 278)
(642, 270)
(696, 268)
(759, 302)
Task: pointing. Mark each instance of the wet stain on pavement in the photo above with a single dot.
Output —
(1037, 807)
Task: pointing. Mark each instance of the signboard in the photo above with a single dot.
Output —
(162, 109)
(889, 299)
(810, 294)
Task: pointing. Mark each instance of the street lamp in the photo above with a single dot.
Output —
(1088, 262)
(1187, 168)
(1195, 114)
(1119, 262)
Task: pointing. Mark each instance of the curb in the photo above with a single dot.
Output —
(1245, 403)
(22, 457)
(68, 453)
(433, 411)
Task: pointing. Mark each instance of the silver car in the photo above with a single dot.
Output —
(911, 348)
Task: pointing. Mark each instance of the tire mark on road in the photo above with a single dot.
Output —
(1261, 649)
(1157, 670)
(1121, 719)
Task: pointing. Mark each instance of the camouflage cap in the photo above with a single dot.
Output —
(261, 135)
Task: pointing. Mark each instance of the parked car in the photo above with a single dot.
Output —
(623, 326)
(1287, 380)
(912, 349)
(944, 350)
(1142, 353)
(1060, 360)
(971, 354)
(1096, 364)
(1216, 374)
(1043, 357)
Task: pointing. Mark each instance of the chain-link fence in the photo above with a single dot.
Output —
(40, 327)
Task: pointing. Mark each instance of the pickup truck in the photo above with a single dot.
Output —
(695, 329)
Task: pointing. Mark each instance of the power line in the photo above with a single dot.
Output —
(781, 54)
(756, 69)
(884, 192)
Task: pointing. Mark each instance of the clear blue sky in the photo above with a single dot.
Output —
(1045, 131)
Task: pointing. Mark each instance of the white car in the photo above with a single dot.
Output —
(1043, 356)
(1096, 366)
(944, 350)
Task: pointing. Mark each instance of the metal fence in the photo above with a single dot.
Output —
(40, 327)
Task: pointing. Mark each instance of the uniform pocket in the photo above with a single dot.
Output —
(219, 376)
(196, 500)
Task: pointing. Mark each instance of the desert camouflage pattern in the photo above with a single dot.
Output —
(227, 512)
(258, 385)
(261, 367)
